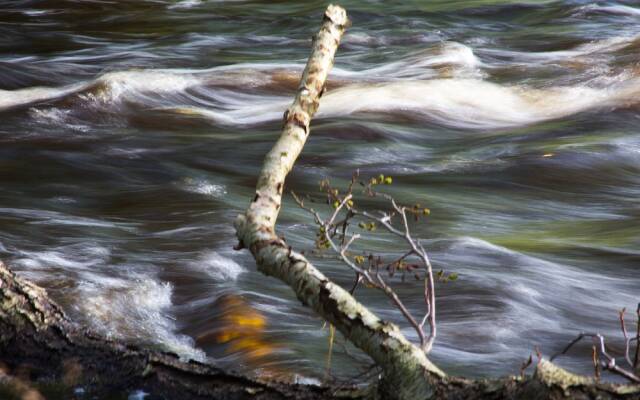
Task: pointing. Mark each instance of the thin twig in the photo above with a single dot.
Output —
(595, 359)
(371, 275)
(609, 364)
(526, 365)
(636, 359)
(627, 340)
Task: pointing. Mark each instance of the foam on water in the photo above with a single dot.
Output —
(469, 103)
(115, 86)
(202, 186)
(78, 257)
(617, 9)
(106, 89)
(411, 86)
(135, 308)
(590, 52)
(450, 58)
(45, 217)
(217, 266)
(460, 103)
(185, 4)
(122, 301)
(517, 295)
(14, 98)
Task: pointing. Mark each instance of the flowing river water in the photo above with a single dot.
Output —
(132, 133)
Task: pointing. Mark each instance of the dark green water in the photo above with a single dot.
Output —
(131, 134)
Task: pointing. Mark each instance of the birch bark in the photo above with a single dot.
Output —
(407, 371)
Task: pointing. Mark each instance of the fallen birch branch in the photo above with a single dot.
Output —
(407, 373)
(401, 361)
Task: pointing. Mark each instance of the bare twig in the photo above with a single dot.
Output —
(609, 364)
(636, 358)
(332, 335)
(595, 359)
(370, 275)
(627, 340)
(526, 365)
(416, 249)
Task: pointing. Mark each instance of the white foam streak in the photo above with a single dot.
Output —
(44, 217)
(468, 103)
(456, 59)
(185, 4)
(617, 9)
(14, 98)
(413, 85)
(592, 53)
(135, 308)
(106, 89)
(218, 267)
(519, 295)
(461, 103)
(115, 85)
(203, 186)
(117, 301)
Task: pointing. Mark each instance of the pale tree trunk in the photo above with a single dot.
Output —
(403, 363)
(407, 373)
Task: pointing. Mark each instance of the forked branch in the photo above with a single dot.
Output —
(336, 236)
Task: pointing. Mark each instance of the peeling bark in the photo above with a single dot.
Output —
(408, 374)
(402, 362)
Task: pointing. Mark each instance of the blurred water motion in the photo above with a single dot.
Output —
(133, 131)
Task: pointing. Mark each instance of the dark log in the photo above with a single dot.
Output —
(42, 350)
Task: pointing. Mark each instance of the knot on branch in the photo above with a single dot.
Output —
(259, 245)
(298, 118)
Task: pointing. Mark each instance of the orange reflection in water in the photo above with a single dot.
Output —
(241, 329)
